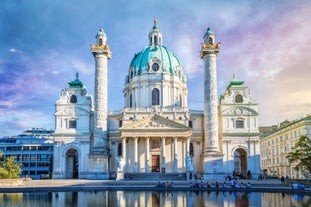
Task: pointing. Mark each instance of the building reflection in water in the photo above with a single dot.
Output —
(152, 199)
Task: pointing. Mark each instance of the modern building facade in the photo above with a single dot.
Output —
(275, 146)
(33, 149)
(155, 132)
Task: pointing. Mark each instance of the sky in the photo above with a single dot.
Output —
(43, 43)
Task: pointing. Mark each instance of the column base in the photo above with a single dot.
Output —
(98, 167)
(120, 176)
(213, 165)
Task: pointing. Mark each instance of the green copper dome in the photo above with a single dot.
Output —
(155, 59)
(168, 60)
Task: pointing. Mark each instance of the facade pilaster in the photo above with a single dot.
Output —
(147, 155)
(175, 154)
(163, 152)
(135, 154)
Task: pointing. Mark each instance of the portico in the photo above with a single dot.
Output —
(155, 144)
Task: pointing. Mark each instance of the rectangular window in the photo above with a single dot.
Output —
(25, 157)
(190, 124)
(72, 124)
(191, 150)
(239, 124)
(33, 157)
(25, 148)
(119, 149)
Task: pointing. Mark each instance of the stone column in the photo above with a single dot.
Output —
(163, 152)
(135, 154)
(213, 158)
(124, 149)
(99, 148)
(188, 146)
(147, 155)
(175, 154)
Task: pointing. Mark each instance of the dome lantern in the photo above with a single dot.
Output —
(155, 36)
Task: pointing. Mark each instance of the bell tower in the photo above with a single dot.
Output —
(99, 152)
(212, 156)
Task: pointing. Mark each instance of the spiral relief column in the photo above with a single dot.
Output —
(212, 156)
(99, 152)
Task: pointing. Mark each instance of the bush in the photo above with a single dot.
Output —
(9, 169)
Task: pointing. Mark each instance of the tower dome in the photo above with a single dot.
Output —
(155, 68)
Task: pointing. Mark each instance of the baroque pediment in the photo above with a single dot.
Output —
(239, 111)
(156, 125)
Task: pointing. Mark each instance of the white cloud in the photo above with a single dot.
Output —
(13, 122)
(83, 67)
(14, 50)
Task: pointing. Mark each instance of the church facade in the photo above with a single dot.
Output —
(155, 133)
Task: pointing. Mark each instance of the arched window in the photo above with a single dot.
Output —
(73, 99)
(238, 98)
(210, 40)
(155, 40)
(155, 97)
(131, 101)
(100, 42)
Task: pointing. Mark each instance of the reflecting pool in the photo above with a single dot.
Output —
(151, 199)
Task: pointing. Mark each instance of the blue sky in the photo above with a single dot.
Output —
(44, 43)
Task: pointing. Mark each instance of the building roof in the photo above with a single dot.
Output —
(235, 82)
(76, 83)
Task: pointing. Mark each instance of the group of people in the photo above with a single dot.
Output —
(233, 184)
(201, 184)
(27, 178)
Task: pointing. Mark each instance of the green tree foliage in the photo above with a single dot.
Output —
(300, 155)
(9, 169)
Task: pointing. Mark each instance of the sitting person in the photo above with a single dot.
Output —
(248, 185)
(233, 183)
(208, 184)
(217, 185)
(295, 186)
(224, 185)
(159, 184)
(301, 186)
(202, 184)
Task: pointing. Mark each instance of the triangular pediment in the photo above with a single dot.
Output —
(156, 125)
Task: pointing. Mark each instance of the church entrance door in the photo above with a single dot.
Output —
(155, 163)
(72, 164)
(240, 162)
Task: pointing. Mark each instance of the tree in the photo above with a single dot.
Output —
(9, 169)
(300, 155)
